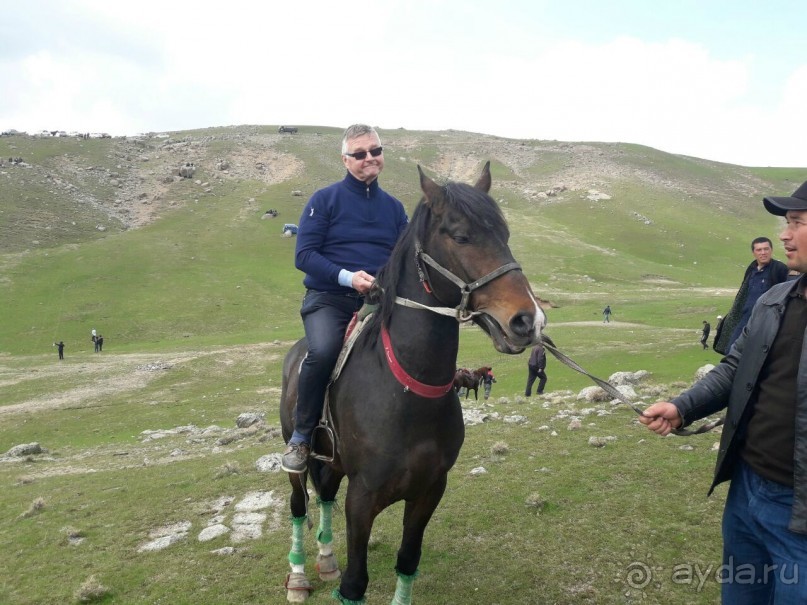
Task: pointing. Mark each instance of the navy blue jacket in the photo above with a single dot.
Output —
(347, 225)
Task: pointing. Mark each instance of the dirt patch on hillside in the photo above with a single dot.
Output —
(138, 178)
(105, 375)
(255, 159)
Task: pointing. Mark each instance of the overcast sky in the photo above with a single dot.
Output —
(722, 80)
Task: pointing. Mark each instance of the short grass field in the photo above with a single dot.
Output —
(199, 306)
(553, 520)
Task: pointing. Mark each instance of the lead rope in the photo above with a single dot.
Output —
(614, 392)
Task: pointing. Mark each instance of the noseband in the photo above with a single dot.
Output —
(461, 311)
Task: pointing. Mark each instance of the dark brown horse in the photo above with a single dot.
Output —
(396, 419)
(469, 380)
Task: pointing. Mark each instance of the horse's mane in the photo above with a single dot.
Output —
(475, 204)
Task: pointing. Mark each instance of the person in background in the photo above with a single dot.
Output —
(536, 368)
(487, 381)
(606, 314)
(345, 235)
(763, 447)
(763, 273)
(705, 334)
(60, 346)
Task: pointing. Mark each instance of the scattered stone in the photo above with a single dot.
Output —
(627, 391)
(226, 550)
(479, 470)
(165, 536)
(161, 543)
(151, 435)
(623, 378)
(25, 449)
(212, 532)
(593, 394)
(154, 367)
(247, 419)
(254, 501)
(703, 371)
(180, 527)
(515, 419)
(247, 526)
(471, 417)
(269, 463)
(595, 196)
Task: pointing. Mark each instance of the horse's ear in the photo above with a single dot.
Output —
(432, 191)
(484, 179)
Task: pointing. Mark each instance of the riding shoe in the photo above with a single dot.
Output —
(295, 458)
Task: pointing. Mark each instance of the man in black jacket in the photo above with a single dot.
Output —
(763, 449)
(763, 273)
(536, 368)
(707, 327)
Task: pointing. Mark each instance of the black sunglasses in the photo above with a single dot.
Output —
(360, 155)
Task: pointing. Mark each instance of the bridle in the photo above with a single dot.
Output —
(460, 312)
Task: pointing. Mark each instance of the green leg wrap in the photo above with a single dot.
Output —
(297, 552)
(337, 595)
(403, 589)
(324, 533)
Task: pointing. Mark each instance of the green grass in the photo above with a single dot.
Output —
(638, 499)
(210, 292)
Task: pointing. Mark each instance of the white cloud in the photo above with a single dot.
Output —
(168, 66)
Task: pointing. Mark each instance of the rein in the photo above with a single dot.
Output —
(614, 392)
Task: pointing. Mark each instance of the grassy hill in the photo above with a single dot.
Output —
(196, 295)
(101, 233)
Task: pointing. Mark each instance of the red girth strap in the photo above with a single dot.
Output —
(409, 383)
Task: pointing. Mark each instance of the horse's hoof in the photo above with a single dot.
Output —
(328, 568)
(298, 588)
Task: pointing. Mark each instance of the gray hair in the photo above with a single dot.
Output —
(356, 131)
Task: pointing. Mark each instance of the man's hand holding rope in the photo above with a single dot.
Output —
(661, 417)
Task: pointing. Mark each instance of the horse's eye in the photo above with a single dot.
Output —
(461, 239)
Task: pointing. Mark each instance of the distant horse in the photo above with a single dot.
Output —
(396, 421)
(470, 380)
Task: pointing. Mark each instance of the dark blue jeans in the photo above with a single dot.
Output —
(763, 561)
(325, 319)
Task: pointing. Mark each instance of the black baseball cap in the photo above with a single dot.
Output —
(780, 205)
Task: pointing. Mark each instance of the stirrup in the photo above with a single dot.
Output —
(324, 457)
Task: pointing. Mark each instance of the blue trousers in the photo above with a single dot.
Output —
(325, 319)
(763, 561)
